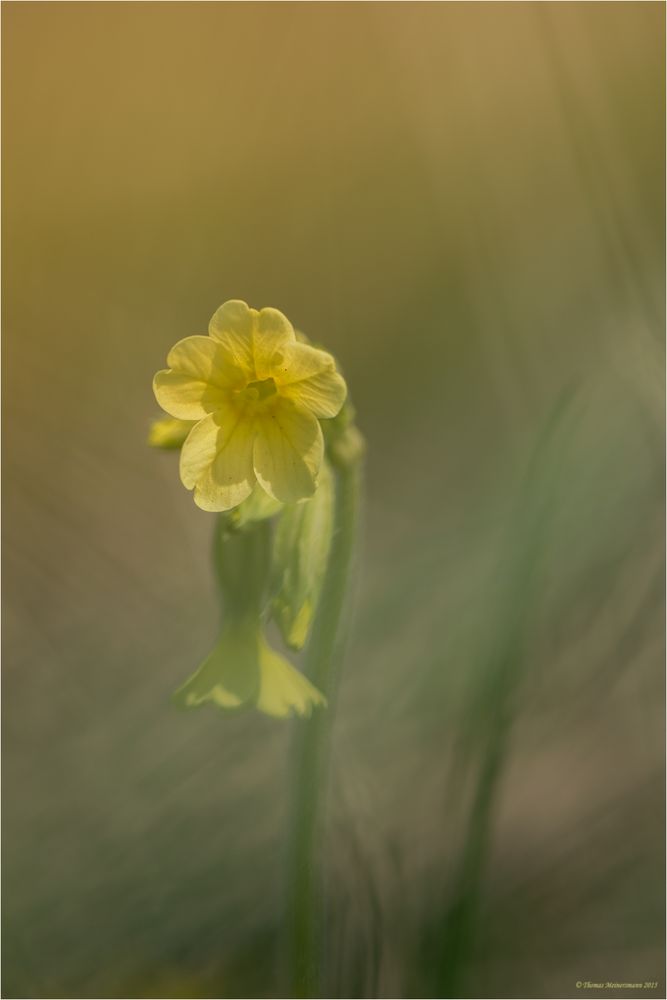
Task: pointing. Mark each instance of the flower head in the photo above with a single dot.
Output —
(257, 394)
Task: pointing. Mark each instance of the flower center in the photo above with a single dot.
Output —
(264, 389)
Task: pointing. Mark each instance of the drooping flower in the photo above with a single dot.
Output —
(257, 394)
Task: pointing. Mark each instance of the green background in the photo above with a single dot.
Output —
(465, 203)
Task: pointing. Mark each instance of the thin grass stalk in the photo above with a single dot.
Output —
(526, 540)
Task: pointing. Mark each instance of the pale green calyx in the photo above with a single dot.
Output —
(243, 671)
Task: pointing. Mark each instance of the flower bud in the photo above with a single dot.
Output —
(344, 441)
(169, 432)
(300, 553)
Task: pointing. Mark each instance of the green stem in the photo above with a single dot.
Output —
(525, 543)
(311, 746)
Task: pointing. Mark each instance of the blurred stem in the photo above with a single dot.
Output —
(310, 771)
(495, 723)
(460, 924)
(525, 540)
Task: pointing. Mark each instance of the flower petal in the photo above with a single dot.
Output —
(273, 335)
(283, 690)
(200, 375)
(207, 360)
(199, 450)
(308, 376)
(251, 337)
(185, 397)
(216, 458)
(232, 325)
(300, 361)
(288, 451)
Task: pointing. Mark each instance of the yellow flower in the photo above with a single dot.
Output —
(257, 395)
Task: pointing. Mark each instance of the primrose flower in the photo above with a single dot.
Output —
(257, 395)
